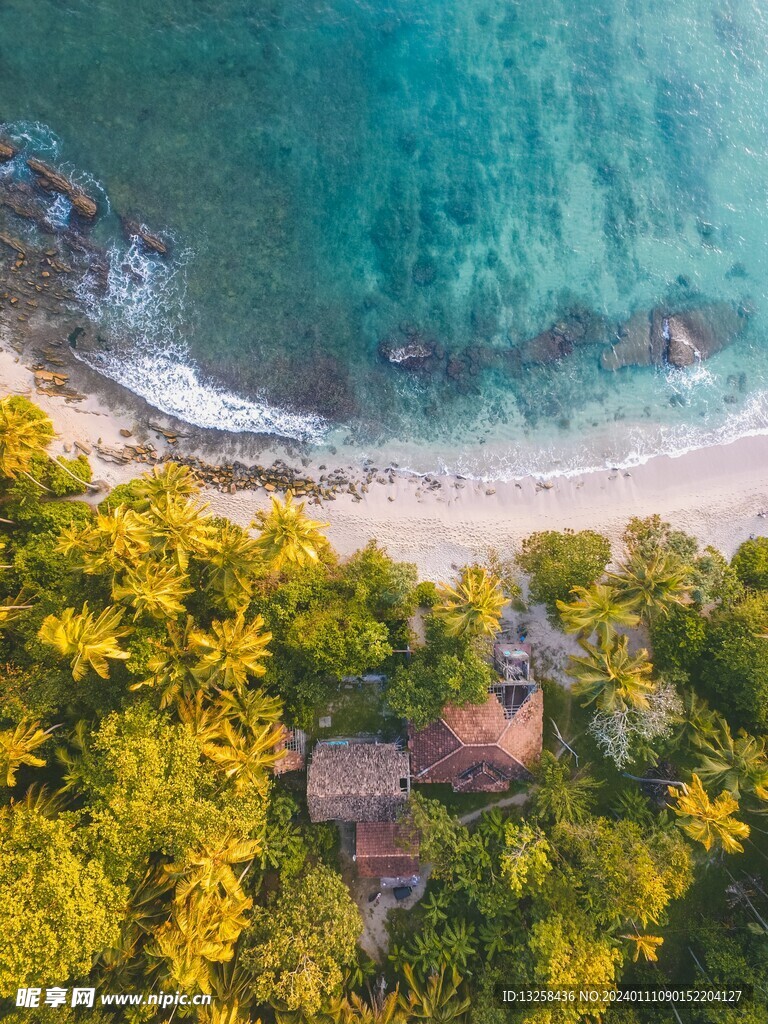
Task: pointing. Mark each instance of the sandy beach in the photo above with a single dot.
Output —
(713, 493)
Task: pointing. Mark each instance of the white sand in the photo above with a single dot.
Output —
(714, 494)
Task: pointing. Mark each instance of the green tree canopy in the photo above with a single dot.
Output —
(751, 563)
(298, 946)
(58, 909)
(558, 562)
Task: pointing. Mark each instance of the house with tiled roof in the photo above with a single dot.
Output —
(386, 850)
(482, 747)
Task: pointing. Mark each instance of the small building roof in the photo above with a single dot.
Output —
(292, 745)
(477, 747)
(386, 850)
(357, 782)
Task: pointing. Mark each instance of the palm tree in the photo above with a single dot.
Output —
(17, 746)
(169, 482)
(233, 559)
(598, 609)
(612, 678)
(231, 652)
(153, 589)
(244, 760)
(380, 1009)
(644, 945)
(25, 432)
(709, 822)
(172, 666)
(86, 640)
(120, 539)
(180, 528)
(287, 536)
(560, 797)
(473, 606)
(459, 943)
(738, 765)
(211, 867)
(698, 721)
(652, 586)
(441, 999)
(249, 710)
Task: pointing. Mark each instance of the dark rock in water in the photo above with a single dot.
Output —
(7, 151)
(578, 326)
(701, 333)
(52, 181)
(21, 199)
(677, 338)
(150, 242)
(547, 347)
(633, 345)
(413, 352)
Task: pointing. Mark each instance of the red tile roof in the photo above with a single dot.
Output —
(386, 850)
(468, 737)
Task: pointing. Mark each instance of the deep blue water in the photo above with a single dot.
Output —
(340, 174)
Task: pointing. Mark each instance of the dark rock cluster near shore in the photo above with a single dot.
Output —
(662, 336)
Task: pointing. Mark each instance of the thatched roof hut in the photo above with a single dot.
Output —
(357, 782)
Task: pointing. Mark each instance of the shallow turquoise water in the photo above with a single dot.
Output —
(336, 173)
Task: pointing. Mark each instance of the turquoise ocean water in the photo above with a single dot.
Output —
(336, 173)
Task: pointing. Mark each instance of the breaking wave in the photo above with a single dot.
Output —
(143, 312)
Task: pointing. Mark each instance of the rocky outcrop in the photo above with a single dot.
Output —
(633, 346)
(151, 243)
(7, 151)
(52, 181)
(411, 350)
(578, 327)
(675, 338)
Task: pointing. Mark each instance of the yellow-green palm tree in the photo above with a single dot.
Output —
(169, 482)
(473, 606)
(211, 868)
(381, 1009)
(597, 609)
(610, 677)
(287, 536)
(25, 432)
(644, 945)
(652, 586)
(737, 764)
(153, 589)
(709, 822)
(249, 710)
(171, 666)
(120, 539)
(439, 999)
(17, 746)
(244, 760)
(88, 641)
(180, 529)
(232, 561)
(231, 651)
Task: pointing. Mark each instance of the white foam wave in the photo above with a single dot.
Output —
(636, 445)
(143, 312)
(34, 135)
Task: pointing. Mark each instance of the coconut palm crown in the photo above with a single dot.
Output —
(473, 606)
(287, 536)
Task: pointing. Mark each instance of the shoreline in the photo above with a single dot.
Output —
(438, 522)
